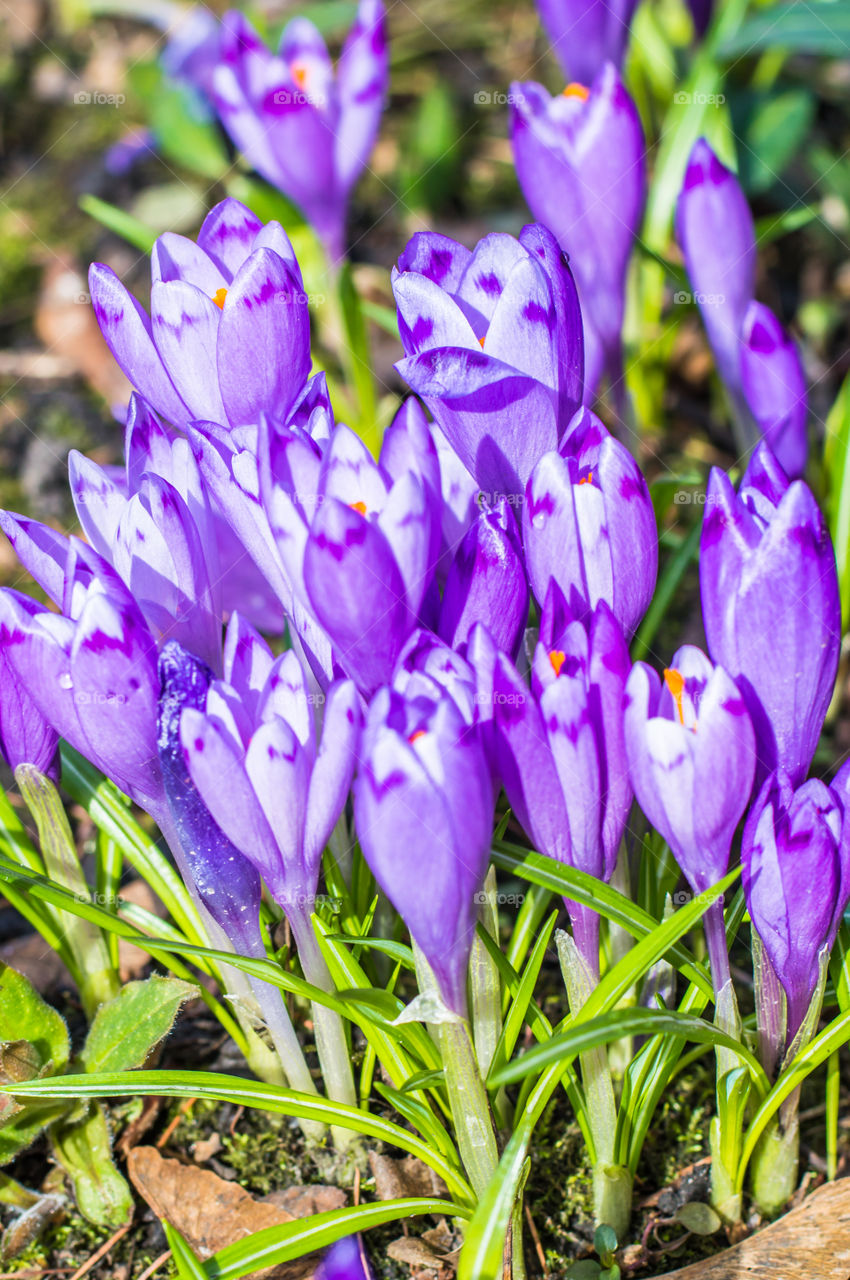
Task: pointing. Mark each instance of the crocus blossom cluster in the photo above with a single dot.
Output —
(409, 677)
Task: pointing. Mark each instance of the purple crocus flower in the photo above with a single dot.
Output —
(774, 386)
(486, 582)
(250, 746)
(345, 1260)
(691, 753)
(428, 668)
(794, 877)
(222, 312)
(560, 750)
(585, 34)
(588, 524)
(423, 808)
(367, 557)
(235, 579)
(771, 608)
(493, 346)
(91, 669)
(758, 363)
(580, 163)
(26, 737)
(305, 130)
(151, 539)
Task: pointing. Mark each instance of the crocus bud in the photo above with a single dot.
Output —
(580, 163)
(26, 737)
(486, 582)
(423, 808)
(307, 130)
(560, 748)
(691, 754)
(757, 361)
(792, 877)
(252, 751)
(588, 524)
(717, 237)
(493, 346)
(774, 385)
(221, 311)
(584, 34)
(771, 609)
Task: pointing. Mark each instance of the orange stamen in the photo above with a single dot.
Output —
(481, 341)
(588, 479)
(299, 72)
(557, 657)
(358, 506)
(414, 737)
(576, 90)
(675, 682)
(219, 296)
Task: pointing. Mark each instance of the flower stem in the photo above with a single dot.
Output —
(612, 1183)
(473, 1120)
(331, 1043)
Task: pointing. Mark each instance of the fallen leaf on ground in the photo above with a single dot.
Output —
(810, 1242)
(65, 322)
(212, 1213)
(398, 1179)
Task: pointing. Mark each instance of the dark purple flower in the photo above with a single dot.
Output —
(588, 524)
(345, 1260)
(585, 34)
(423, 808)
(228, 337)
(794, 868)
(493, 344)
(306, 130)
(580, 163)
(227, 883)
(691, 753)
(486, 582)
(560, 749)
(771, 609)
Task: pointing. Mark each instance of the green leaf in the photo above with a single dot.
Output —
(274, 1245)
(103, 802)
(571, 883)
(837, 467)
(126, 1029)
(518, 1009)
(120, 223)
(24, 1015)
(423, 1080)
(801, 26)
(582, 1035)
(247, 1093)
(481, 1257)
(772, 131)
(357, 356)
(83, 1149)
(831, 1038)
(699, 1218)
(187, 1262)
